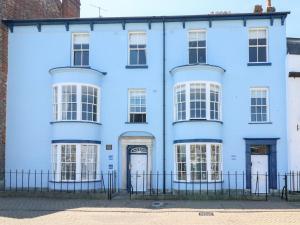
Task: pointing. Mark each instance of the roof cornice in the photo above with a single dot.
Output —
(154, 19)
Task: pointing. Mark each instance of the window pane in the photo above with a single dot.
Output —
(77, 58)
(89, 105)
(85, 58)
(133, 57)
(201, 55)
(253, 54)
(262, 54)
(142, 57)
(193, 56)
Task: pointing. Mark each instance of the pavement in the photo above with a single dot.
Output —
(55, 211)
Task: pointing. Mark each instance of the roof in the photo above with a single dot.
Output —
(293, 46)
(153, 19)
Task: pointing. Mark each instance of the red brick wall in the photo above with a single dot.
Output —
(70, 8)
(25, 9)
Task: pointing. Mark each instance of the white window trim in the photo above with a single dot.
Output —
(188, 43)
(187, 93)
(188, 162)
(79, 101)
(268, 104)
(128, 47)
(267, 44)
(72, 47)
(57, 176)
(128, 101)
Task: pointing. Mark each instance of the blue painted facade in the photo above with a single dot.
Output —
(42, 58)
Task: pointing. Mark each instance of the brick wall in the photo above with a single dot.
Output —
(25, 9)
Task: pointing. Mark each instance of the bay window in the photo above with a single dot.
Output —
(198, 162)
(75, 162)
(75, 102)
(197, 100)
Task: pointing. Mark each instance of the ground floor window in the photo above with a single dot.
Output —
(75, 162)
(198, 162)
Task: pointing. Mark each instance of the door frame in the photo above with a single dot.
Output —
(129, 148)
(272, 160)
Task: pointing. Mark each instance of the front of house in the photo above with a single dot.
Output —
(187, 98)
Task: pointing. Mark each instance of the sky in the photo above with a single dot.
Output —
(119, 8)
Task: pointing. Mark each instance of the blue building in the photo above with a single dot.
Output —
(186, 97)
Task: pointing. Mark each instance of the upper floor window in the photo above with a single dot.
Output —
(259, 105)
(75, 162)
(198, 162)
(73, 102)
(89, 101)
(81, 49)
(137, 48)
(180, 102)
(197, 46)
(214, 102)
(69, 102)
(137, 106)
(197, 100)
(258, 45)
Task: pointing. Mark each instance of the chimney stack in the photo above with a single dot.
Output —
(270, 8)
(70, 8)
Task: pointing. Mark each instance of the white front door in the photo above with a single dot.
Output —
(138, 171)
(259, 169)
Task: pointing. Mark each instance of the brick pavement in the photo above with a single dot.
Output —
(33, 211)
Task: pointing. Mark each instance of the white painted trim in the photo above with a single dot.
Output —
(73, 34)
(187, 93)
(78, 161)
(188, 161)
(128, 47)
(79, 101)
(261, 88)
(267, 42)
(188, 41)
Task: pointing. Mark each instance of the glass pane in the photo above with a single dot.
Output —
(142, 57)
(133, 57)
(85, 58)
(77, 58)
(202, 55)
(262, 54)
(253, 54)
(193, 56)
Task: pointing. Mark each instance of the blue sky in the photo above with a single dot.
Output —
(181, 7)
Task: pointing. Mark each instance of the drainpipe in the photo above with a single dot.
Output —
(164, 106)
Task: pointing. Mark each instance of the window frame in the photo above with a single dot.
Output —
(208, 162)
(78, 102)
(188, 102)
(129, 104)
(267, 104)
(267, 44)
(73, 50)
(188, 45)
(56, 172)
(129, 49)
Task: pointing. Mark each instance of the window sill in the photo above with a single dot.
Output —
(260, 123)
(198, 182)
(75, 121)
(136, 67)
(136, 123)
(198, 120)
(260, 64)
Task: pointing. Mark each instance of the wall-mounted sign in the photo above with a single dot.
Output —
(110, 166)
(110, 157)
(233, 157)
(108, 147)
